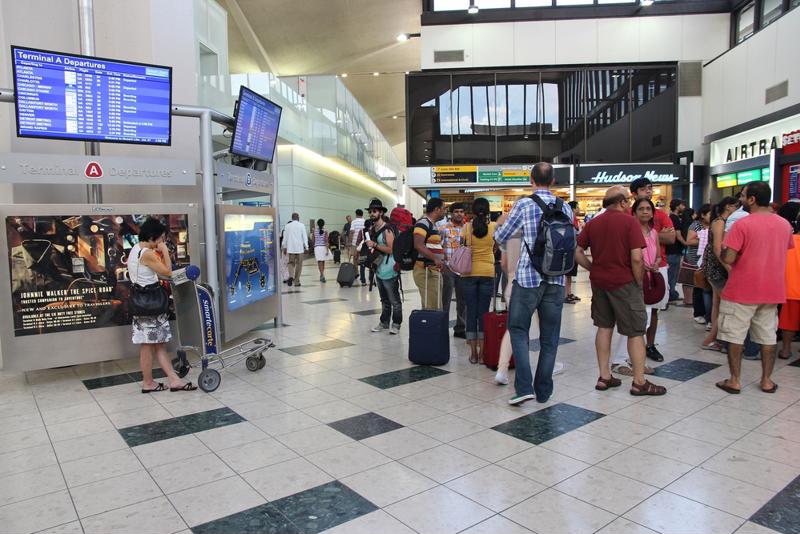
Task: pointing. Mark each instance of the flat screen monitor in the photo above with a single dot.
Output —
(255, 133)
(80, 98)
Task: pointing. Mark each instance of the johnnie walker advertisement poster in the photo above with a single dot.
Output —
(69, 272)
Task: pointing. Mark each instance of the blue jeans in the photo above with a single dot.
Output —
(708, 301)
(548, 299)
(391, 305)
(477, 295)
(674, 266)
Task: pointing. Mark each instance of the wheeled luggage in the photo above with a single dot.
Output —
(495, 324)
(347, 274)
(429, 335)
(337, 255)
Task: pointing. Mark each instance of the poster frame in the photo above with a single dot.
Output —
(56, 349)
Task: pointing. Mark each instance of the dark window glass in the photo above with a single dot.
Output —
(473, 126)
(429, 113)
(608, 129)
(518, 140)
(770, 11)
(653, 125)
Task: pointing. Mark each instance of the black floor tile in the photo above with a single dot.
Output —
(795, 363)
(157, 373)
(403, 376)
(323, 507)
(684, 369)
(782, 512)
(536, 347)
(264, 519)
(367, 312)
(179, 426)
(364, 426)
(299, 350)
(549, 423)
(108, 381)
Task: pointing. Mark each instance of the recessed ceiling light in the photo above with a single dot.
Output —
(646, 3)
(344, 75)
(376, 73)
(402, 37)
(394, 116)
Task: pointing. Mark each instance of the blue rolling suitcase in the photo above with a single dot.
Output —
(429, 336)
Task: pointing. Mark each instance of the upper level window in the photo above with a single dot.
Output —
(462, 5)
(539, 3)
(770, 10)
(745, 22)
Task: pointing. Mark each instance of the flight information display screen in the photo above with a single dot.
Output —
(61, 96)
(256, 131)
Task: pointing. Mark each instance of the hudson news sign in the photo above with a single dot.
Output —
(625, 174)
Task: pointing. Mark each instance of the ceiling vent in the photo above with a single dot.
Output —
(448, 56)
(776, 92)
(690, 76)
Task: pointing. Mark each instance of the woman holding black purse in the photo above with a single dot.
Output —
(148, 260)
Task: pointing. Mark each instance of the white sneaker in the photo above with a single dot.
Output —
(379, 328)
(700, 320)
(558, 368)
(519, 399)
(708, 327)
(394, 329)
(501, 378)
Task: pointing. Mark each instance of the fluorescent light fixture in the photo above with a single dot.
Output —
(344, 75)
(473, 9)
(646, 3)
(376, 73)
(394, 117)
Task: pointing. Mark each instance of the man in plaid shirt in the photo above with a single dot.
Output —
(533, 292)
(453, 237)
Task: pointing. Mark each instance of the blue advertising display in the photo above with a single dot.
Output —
(60, 96)
(248, 258)
(256, 131)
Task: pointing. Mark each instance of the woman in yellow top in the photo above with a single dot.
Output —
(478, 285)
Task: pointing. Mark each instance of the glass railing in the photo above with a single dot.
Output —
(319, 113)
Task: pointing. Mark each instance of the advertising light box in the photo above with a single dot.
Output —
(249, 258)
(69, 272)
(63, 96)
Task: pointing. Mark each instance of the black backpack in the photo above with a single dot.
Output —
(404, 252)
(554, 251)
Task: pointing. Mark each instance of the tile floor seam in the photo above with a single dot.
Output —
(60, 467)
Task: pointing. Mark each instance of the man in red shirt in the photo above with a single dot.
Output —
(643, 188)
(615, 272)
(755, 248)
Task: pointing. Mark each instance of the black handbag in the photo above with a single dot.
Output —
(148, 301)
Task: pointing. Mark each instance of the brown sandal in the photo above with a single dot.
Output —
(607, 383)
(648, 388)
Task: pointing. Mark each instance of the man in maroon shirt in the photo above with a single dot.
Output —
(615, 272)
(643, 188)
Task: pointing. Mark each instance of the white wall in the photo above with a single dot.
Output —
(565, 42)
(734, 85)
(311, 186)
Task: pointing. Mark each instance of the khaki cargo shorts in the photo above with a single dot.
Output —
(736, 319)
(623, 307)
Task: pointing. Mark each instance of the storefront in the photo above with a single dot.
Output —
(755, 154)
(586, 184)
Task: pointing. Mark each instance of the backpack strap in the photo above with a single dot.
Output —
(544, 207)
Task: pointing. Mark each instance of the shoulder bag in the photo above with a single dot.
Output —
(461, 262)
(150, 300)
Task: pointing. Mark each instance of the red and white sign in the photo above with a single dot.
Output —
(93, 170)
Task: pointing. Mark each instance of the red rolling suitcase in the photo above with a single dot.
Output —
(495, 324)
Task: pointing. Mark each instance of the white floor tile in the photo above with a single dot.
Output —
(377, 521)
(38, 514)
(181, 475)
(443, 463)
(667, 512)
(607, 490)
(584, 447)
(215, 500)
(348, 459)
(439, 511)
(156, 515)
(400, 443)
(100, 467)
(495, 488)
(230, 436)
(721, 492)
(112, 493)
(649, 468)
(388, 483)
(491, 445)
(26, 459)
(170, 450)
(23, 486)
(545, 512)
(495, 525)
(286, 478)
(543, 465)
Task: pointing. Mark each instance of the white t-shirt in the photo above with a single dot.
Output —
(355, 228)
(295, 239)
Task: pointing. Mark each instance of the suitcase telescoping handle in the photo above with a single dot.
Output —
(441, 302)
(499, 288)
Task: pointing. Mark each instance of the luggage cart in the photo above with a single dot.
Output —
(196, 317)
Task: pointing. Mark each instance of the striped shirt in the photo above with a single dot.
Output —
(526, 214)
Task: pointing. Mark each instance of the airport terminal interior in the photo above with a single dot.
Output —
(235, 298)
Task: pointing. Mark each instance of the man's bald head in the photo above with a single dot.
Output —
(615, 195)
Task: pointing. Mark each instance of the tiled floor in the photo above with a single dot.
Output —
(341, 434)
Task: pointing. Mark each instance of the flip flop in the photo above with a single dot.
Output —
(727, 389)
(159, 387)
(773, 389)
(188, 386)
